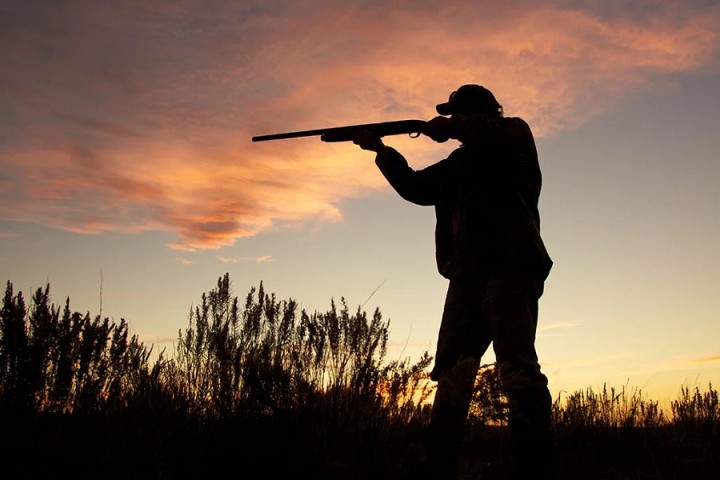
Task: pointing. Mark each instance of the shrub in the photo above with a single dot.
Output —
(55, 361)
(263, 384)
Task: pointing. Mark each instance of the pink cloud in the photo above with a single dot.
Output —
(140, 119)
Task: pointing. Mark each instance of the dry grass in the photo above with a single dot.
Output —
(261, 386)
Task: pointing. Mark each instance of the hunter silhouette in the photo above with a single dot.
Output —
(488, 246)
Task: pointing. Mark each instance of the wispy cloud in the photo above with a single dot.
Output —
(138, 116)
(706, 360)
(259, 259)
(610, 361)
(184, 261)
(554, 327)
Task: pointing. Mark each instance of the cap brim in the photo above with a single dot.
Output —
(444, 108)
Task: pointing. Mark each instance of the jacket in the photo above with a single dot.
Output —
(485, 195)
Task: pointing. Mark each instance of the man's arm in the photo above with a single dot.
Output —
(420, 187)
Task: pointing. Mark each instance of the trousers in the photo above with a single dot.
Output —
(502, 310)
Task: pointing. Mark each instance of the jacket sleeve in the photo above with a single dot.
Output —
(421, 187)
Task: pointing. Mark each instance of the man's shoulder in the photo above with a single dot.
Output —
(514, 122)
(515, 128)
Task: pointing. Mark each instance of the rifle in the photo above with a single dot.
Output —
(347, 134)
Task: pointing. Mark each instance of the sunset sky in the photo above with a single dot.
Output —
(126, 166)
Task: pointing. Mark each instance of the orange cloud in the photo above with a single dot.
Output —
(141, 120)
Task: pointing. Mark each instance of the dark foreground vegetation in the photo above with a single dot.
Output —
(260, 389)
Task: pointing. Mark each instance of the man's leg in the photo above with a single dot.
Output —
(449, 415)
(513, 313)
(462, 340)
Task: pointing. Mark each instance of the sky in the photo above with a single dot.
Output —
(129, 182)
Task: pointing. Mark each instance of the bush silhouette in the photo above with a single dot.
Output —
(261, 386)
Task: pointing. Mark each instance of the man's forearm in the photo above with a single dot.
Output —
(414, 186)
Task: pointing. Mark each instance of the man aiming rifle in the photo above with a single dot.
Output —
(488, 246)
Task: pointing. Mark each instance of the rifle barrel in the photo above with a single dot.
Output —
(280, 136)
(346, 133)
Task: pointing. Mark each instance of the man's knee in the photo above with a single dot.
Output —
(521, 373)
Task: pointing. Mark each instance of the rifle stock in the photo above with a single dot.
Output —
(348, 133)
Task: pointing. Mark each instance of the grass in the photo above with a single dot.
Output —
(261, 387)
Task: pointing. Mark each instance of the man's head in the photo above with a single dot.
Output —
(470, 99)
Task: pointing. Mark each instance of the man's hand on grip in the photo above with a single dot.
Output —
(367, 140)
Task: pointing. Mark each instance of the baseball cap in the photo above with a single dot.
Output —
(470, 99)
